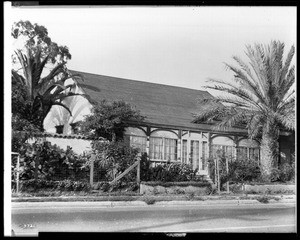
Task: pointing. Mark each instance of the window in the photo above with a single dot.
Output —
(163, 148)
(195, 153)
(170, 149)
(248, 153)
(184, 151)
(59, 129)
(156, 147)
(226, 150)
(254, 154)
(242, 153)
(139, 142)
(204, 154)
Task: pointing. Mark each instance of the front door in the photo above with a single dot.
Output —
(195, 151)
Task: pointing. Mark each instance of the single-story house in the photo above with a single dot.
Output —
(168, 133)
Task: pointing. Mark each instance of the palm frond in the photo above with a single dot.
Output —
(62, 105)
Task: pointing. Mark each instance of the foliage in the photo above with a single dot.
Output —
(149, 200)
(113, 158)
(239, 170)
(42, 160)
(284, 173)
(37, 35)
(109, 119)
(64, 185)
(262, 98)
(263, 199)
(34, 95)
(178, 184)
(170, 172)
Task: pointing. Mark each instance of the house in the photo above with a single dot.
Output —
(168, 133)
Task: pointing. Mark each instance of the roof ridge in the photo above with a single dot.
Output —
(143, 82)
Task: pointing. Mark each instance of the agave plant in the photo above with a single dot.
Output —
(44, 92)
(262, 98)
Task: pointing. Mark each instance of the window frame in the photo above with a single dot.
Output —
(162, 152)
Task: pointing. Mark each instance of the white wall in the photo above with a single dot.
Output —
(78, 145)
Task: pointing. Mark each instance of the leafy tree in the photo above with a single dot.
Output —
(262, 99)
(109, 119)
(36, 36)
(33, 94)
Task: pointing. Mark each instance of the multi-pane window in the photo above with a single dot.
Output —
(156, 148)
(184, 151)
(204, 154)
(248, 153)
(163, 148)
(139, 142)
(242, 153)
(170, 147)
(254, 154)
(226, 151)
(195, 153)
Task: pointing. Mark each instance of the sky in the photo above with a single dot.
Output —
(179, 46)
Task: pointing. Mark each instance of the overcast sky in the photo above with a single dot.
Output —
(180, 46)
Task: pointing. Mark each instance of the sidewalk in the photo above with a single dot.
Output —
(162, 200)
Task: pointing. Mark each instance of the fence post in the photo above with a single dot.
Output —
(138, 171)
(18, 170)
(227, 170)
(218, 173)
(92, 170)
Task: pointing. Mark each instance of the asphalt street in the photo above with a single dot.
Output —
(31, 218)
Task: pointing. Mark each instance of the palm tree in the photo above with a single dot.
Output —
(43, 92)
(262, 99)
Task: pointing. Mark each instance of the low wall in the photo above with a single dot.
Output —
(173, 188)
(270, 188)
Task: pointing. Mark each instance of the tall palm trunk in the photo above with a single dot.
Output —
(269, 149)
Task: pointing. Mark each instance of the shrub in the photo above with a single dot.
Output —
(149, 200)
(284, 173)
(239, 170)
(65, 185)
(287, 172)
(190, 196)
(171, 172)
(210, 190)
(113, 158)
(263, 199)
(42, 160)
(179, 191)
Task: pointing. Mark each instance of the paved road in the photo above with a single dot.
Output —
(30, 218)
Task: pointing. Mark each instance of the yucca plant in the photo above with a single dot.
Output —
(43, 92)
(261, 99)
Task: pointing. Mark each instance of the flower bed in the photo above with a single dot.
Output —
(153, 188)
(269, 188)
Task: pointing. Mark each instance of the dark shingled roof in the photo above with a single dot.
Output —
(162, 105)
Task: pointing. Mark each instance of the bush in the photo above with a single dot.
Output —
(65, 185)
(287, 172)
(42, 160)
(263, 199)
(239, 170)
(149, 200)
(113, 158)
(284, 173)
(171, 172)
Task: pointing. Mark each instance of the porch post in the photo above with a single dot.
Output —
(92, 170)
(148, 132)
(209, 135)
(235, 146)
(179, 145)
